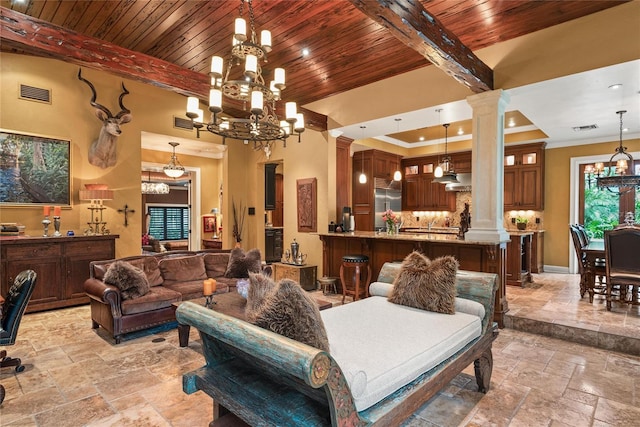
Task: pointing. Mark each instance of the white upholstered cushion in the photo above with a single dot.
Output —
(463, 305)
(387, 345)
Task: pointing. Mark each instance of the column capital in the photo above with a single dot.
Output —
(491, 99)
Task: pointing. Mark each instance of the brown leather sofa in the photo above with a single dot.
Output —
(173, 276)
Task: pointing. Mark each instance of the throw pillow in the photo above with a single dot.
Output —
(241, 263)
(131, 281)
(428, 285)
(290, 311)
(260, 286)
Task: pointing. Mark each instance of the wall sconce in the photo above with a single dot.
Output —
(96, 193)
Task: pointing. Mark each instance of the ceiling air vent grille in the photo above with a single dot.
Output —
(181, 123)
(584, 128)
(31, 93)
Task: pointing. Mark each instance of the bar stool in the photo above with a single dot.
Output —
(327, 284)
(360, 276)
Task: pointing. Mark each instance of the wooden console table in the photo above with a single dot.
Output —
(61, 263)
(305, 275)
(212, 243)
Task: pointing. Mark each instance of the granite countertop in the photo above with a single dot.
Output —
(416, 237)
(521, 232)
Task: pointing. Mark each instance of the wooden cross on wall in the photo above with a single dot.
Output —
(126, 211)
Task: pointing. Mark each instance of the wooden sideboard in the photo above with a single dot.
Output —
(61, 263)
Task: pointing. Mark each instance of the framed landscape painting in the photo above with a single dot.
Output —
(34, 170)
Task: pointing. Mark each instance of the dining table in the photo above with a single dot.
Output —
(594, 251)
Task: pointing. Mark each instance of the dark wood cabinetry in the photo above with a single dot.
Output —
(524, 177)
(270, 186)
(376, 165)
(419, 192)
(343, 163)
(519, 259)
(273, 244)
(537, 252)
(61, 263)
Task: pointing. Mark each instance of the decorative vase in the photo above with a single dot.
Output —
(390, 228)
(521, 225)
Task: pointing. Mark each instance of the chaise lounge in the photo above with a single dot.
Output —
(378, 371)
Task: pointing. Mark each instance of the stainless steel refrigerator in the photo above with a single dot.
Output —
(388, 195)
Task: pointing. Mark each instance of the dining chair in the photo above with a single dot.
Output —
(592, 277)
(621, 249)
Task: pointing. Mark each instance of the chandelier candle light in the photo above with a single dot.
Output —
(243, 83)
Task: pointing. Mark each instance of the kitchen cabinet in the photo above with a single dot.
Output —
(273, 244)
(419, 193)
(519, 258)
(377, 165)
(61, 263)
(270, 186)
(537, 252)
(524, 177)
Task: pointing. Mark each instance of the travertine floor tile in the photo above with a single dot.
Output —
(78, 376)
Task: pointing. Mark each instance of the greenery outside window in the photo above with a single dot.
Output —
(603, 210)
(168, 222)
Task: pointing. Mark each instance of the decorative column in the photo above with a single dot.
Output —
(487, 163)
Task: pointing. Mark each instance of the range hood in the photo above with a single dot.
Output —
(463, 185)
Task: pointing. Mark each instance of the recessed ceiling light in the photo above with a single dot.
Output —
(422, 138)
(511, 123)
(305, 51)
(615, 86)
(625, 130)
(460, 131)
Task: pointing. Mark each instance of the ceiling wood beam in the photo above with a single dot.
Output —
(410, 23)
(38, 37)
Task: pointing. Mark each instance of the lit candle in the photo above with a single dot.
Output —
(56, 211)
(47, 210)
(209, 287)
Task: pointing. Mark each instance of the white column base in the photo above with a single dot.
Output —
(486, 235)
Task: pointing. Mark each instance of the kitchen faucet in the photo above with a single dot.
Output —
(431, 223)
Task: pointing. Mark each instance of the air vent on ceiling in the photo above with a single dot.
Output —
(181, 123)
(584, 128)
(31, 93)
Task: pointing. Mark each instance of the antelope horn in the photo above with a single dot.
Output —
(123, 110)
(94, 96)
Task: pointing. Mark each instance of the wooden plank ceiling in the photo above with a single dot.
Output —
(347, 49)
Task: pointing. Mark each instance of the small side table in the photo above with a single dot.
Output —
(305, 275)
(212, 243)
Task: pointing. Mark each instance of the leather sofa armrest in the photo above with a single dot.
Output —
(104, 293)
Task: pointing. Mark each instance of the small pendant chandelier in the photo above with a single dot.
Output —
(617, 180)
(444, 173)
(174, 169)
(149, 187)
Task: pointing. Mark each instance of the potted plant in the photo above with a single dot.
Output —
(521, 223)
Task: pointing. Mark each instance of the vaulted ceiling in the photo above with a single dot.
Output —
(347, 49)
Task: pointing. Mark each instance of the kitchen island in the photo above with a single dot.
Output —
(381, 247)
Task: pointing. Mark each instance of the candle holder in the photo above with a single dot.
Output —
(56, 225)
(45, 222)
(209, 302)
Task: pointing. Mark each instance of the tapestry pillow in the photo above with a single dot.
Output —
(177, 270)
(241, 263)
(425, 284)
(288, 310)
(131, 280)
(260, 286)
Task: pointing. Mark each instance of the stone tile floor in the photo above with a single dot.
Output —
(76, 376)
